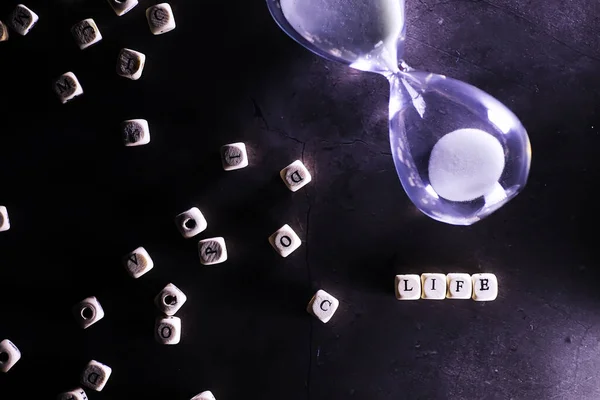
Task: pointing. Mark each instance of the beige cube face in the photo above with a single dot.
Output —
(485, 287)
(212, 251)
(234, 156)
(122, 7)
(88, 312)
(170, 300)
(295, 176)
(4, 221)
(191, 222)
(9, 355)
(323, 306)
(285, 241)
(67, 87)
(138, 262)
(459, 286)
(95, 375)
(206, 395)
(75, 394)
(160, 18)
(408, 287)
(168, 330)
(433, 286)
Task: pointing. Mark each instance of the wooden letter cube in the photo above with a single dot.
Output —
(323, 306)
(295, 175)
(168, 330)
(170, 299)
(434, 286)
(3, 32)
(22, 20)
(75, 394)
(130, 64)
(9, 355)
(4, 221)
(234, 156)
(285, 241)
(138, 262)
(206, 395)
(212, 251)
(485, 287)
(95, 375)
(408, 287)
(67, 87)
(191, 222)
(136, 132)
(459, 286)
(160, 18)
(88, 312)
(122, 6)
(86, 33)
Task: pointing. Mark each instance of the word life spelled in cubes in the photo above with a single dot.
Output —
(88, 312)
(160, 18)
(170, 300)
(95, 375)
(295, 176)
(22, 20)
(9, 355)
(138, 262)
(479, 287)
(122, 6)
(75, 394)
(323, 306)
(168, 330)
(206, 395)
(191, 222)
(285, 241)
(212, 251)
(86, 33)
(4, 221)
(234, 156)
(67, 87)
(136, 132)
(3, 32)
(130, 64)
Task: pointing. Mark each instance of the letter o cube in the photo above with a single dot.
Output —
(285, 241)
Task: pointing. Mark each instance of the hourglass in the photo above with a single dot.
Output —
(459, 153)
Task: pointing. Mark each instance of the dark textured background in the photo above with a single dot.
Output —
(79, 200)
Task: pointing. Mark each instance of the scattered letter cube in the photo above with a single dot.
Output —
(130, 64)
(212, 251)
(67, 87)
(168, 330)
(459, 286)
(191, 222)
(434, 286)
(9, 355)
(95, 375)
(86, 33)
(408, 287)
(323, 306)
(485, 287)
(170, 299)
(3, 32)
(207, 395)
(138, 262)
(88, 312)
(4, 221)
(75, 394)
(122, 6)
(234, 156)
(285, 241)
(23, 19)
(136, 132)
(160, 18)
(295, 175)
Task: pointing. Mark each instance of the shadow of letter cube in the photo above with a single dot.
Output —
(136, 132)
(212, 251)
(295, 175)
(22, 20)
(170, 299)
(86, 33)
(130, 64)
(4, 221)
(160, 18)
(122, 7)
(434, 286)
(285, 241)
(95, 375)
(75, 394)
(206, 395)
(323, 306)
(138, 262)
(485, 287)
(191, 222)
(408, 287)
(168, 330)
(9, 355)
(88, 312)
(67, 87)
(459, 286)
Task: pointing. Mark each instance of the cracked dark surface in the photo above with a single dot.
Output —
(79, 201)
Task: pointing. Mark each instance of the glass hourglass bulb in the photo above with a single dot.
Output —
(459, 153)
